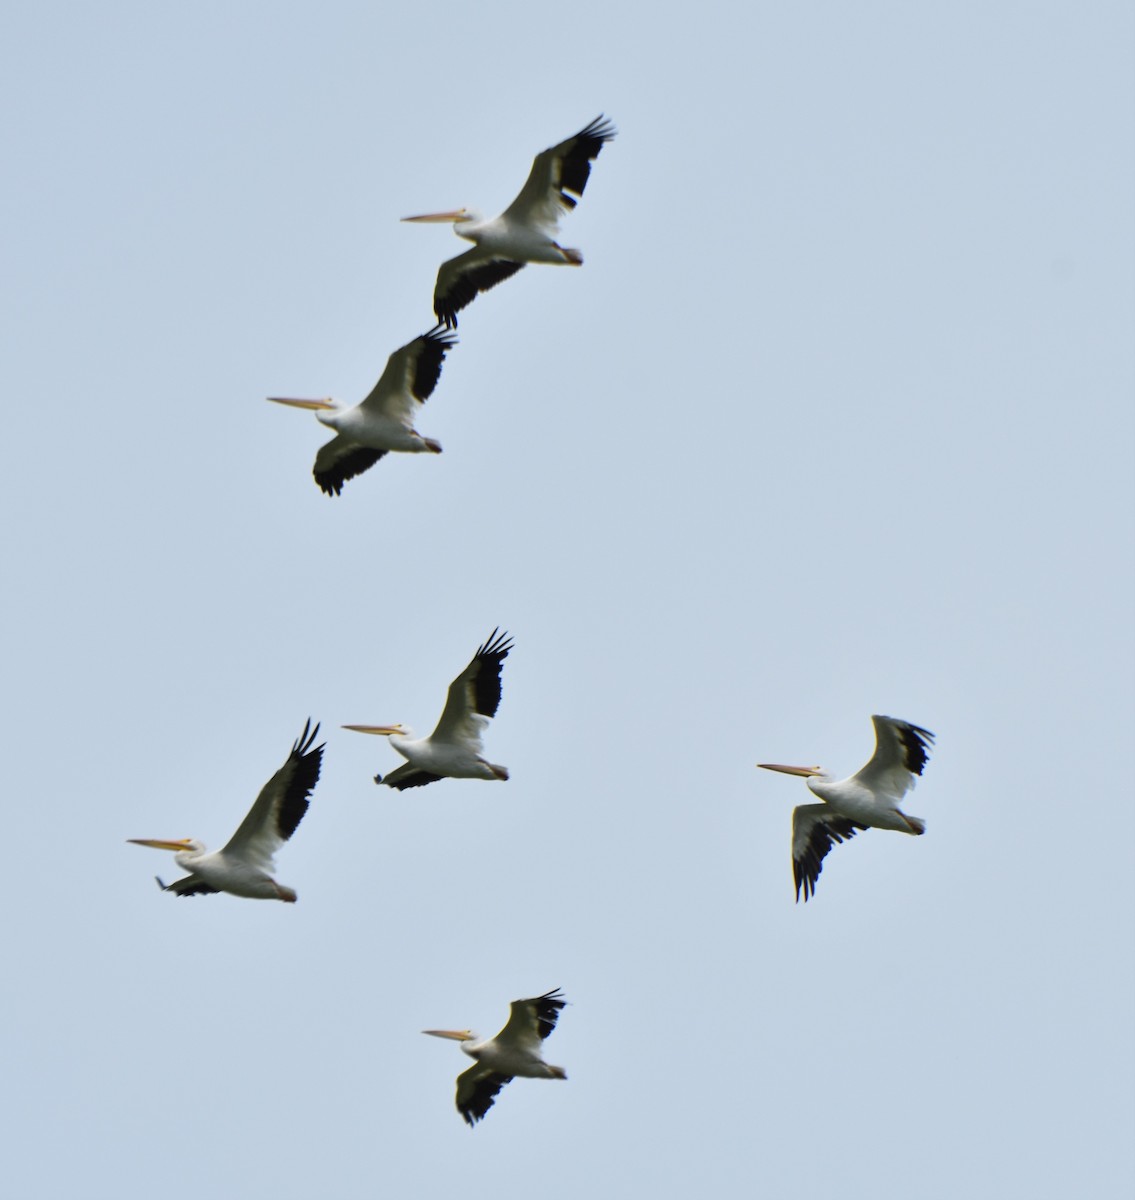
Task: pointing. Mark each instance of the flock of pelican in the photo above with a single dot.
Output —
(384, 422)
(524, 233)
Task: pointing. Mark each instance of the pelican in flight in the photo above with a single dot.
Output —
(526, 231)
(384, 421)
(514, 1051)
(869, 799)
(453, 750)
(244, 866)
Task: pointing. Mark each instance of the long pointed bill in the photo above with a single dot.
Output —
(383, 730)
(160, 844)
(458, 1035)
(320, 404)
(805, 771)
(455, 215)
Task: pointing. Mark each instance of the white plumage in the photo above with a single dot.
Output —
(868, 799)
(384, 421)
(516, 1051)
(526, 231)
(245, 864)
(454, 750)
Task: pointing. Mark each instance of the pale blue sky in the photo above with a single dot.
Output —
(836, 419)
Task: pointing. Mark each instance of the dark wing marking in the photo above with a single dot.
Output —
(335, 464)
(406, 776)
(575, 169)
(916, 744)
(548, 1008)
(302, 770)
(430, 356)
(460, 280)
(486, 681)
(191, 885)
(477, 1096)
(282, 802)
(807, 859)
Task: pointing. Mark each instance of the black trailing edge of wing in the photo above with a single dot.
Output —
(468, 285)
(824, 833)
(188, 887)
(418, 779)
(916, 744)
(548, 1009)
(575, 167)
(355, 462)
(432, 350)
(486, 1090)
(487, 682)
(303, 767)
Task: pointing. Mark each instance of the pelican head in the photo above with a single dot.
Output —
(178, 846)
(807, 772)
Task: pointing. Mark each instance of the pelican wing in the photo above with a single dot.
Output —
(814, 829)
(555, 173)
(342, 459)
(191, 885)
(477, 1088)
(407, 776)
(461, 280)
(901, 752)
(410, 377)
(476, 693)
(280, 806)
(530, 1021)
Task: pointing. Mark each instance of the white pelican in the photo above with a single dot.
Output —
(869, 799)
(453, 750)
(384, 421)
(244, 866)
(514, 1051)
(526, 231)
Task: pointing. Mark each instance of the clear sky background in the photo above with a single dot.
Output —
(835, 420)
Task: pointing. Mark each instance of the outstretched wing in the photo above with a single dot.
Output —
(342, 459)
(477, 1088)
(530, 1021)
(410, 376)
(814, 829)
(557, 172)
(280, 806)
(407, 776)
(475, 694)
(901, 753)
(191, 885)
(462, 279)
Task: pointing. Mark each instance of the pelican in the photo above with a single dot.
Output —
(244, 866)
(869, 799)
(514, 1051)
(453, 750)
(526, 231)
(384, 421)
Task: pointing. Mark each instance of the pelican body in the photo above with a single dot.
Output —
(454, 750)
(244, 866)
(384, 420)
(526, 231)
(868, 799)
(515, 1051)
